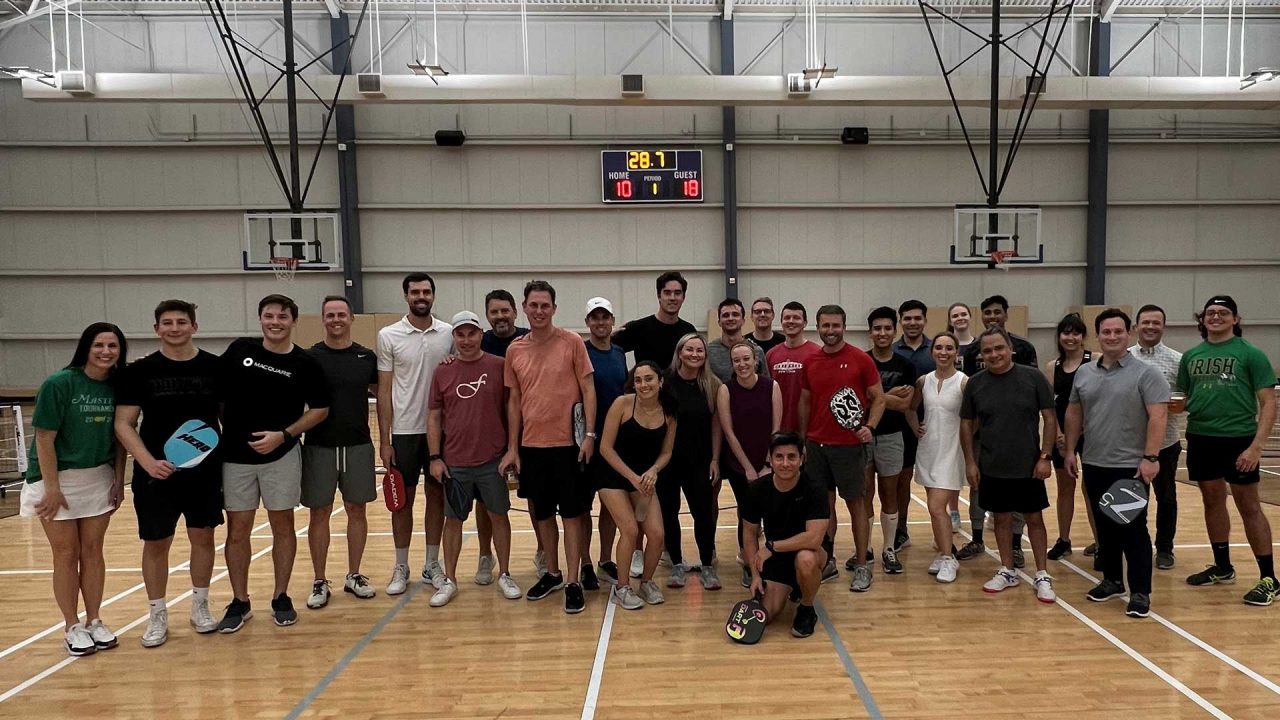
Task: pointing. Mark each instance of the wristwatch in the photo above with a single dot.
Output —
(432, 458)
(593, 436)
(768, 545)
(287, 435)
(1151, 458)
(870, 427)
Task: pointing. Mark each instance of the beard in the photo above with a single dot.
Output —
(420, 309)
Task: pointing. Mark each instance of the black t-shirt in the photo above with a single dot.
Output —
(766, 345)
(651, 339)
(349, 372)
(1024, 353)
(784, 514)
(169, 393)
(264, 391)
(1006, 408)
(494, 345)
(894, 372)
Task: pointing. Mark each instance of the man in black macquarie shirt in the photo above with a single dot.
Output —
(338, 452)
(272, 392)
(995, 310)
(655, 337)
(793, 512)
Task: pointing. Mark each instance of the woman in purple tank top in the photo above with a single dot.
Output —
(750, 411)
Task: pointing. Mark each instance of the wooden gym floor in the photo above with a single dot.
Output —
(908, 648)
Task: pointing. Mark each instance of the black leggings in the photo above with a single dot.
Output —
(738, 483)
(692, 479)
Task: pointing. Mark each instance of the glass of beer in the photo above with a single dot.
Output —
(1177, 402)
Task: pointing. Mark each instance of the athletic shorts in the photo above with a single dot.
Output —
(839, 467)
(1002, 495)
(194, 494)
(411, 457)
(886, 454)
(551, 479)
(1060, 462)
(483, 482)
(1214, 458)
(325, 469)
(781, 568)
(909, 445)
(277, 484)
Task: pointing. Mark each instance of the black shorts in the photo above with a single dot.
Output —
(195, 494)
(781, 568)
(1214, 458)
(909, 444)
(604, 477)
(1001, 495)
(1060, 462)
(552, 480)
(411, 457)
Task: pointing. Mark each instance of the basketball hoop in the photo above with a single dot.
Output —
(999, 259)
(284, 268)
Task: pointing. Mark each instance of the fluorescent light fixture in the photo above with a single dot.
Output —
(22, 72)
(428, 70)
(1265, 74)
(820, 73)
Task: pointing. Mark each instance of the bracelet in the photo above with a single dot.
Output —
(1151, 458)
(592, 435)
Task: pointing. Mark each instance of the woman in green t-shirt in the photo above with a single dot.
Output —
(75, 479)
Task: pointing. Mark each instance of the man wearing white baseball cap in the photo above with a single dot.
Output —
(610, 363)
(468, 400)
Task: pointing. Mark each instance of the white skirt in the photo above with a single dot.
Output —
(88, 493)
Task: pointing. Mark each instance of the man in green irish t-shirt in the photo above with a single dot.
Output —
(1231, 406)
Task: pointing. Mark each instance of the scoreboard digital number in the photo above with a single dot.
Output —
(651, 176)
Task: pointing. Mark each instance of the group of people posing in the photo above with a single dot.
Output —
(465, 413)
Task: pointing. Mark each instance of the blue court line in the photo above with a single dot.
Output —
(864, 693)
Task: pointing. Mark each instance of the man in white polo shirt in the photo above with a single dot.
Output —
(408, 353)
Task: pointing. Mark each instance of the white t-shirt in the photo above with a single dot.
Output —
(412, 356)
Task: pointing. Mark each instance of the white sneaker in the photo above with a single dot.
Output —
(936, 565)
(626, 598)
(540, 562)
(157, 629)
(103, 638)
(510, 590)
(484, 570)
(665, 560)
(650, 593)
(359, 585)
(433, 574)
(319, 594)
(399, 580)
(1044, 588)
(79, 641)
(637, 564)
(201, 618)
(948, 569)
(441, 597)
(1003, 580)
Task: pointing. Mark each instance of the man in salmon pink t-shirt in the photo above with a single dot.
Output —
(786, 362)
(841, 402)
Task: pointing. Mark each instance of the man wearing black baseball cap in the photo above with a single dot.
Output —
(1230, 410)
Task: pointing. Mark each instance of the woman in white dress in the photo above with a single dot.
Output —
(939, 462)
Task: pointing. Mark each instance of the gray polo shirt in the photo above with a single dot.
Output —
(1115, 401)
(722, 366)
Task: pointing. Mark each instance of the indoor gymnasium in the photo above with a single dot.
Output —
(639, 358)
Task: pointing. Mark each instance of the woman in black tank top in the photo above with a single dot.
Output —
(1061, 372)
(639, 432)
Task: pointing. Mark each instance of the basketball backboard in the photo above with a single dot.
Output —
(1009, 233)
(313, 239)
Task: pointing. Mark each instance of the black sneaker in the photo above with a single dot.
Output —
(1019, 561)
(901, 540)
(234, 618)
(891, 564)
(546, 585)
(282, 610)
(1139, 605)
(574, 602)
(1060, 549)
(806, 619)
(1105, 590)
(610, 570)
(972, 550)
(871, 556)
(589, 579)
(851, 563)
(1213, 575)
(1091, 549)
(1164, 559)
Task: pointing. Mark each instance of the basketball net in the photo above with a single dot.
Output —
(1000, 259)
(284, 268)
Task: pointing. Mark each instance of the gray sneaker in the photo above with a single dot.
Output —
(626, 597)
(710, 580)
(829, 571)
(861, 579)
(1164, 559)
(650, 593)
(677, 578)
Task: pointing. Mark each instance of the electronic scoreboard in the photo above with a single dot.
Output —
(651, 176)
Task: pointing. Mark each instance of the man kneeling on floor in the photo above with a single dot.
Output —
(794, 512)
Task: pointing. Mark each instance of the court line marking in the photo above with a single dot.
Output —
(68, 660)
(597, 666)
(1155, 669)
(850, 668)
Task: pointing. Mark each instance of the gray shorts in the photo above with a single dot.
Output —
(886, 453)
(485, 482)
(325, 469)
(839, 467)
(277, 484)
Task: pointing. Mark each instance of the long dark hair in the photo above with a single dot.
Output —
(1072, 322)
(666, 400)
(85, 344)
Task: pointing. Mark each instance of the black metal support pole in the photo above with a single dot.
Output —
(291, 102)
(729, 122)
(348, 187)
(1095, 273)
(993, 150)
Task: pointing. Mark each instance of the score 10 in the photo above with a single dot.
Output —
(651, 176)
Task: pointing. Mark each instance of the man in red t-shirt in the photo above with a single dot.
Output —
(841, 402)
(786, 362)
(466, 436)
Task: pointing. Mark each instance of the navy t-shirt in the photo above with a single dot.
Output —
(610, 378)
